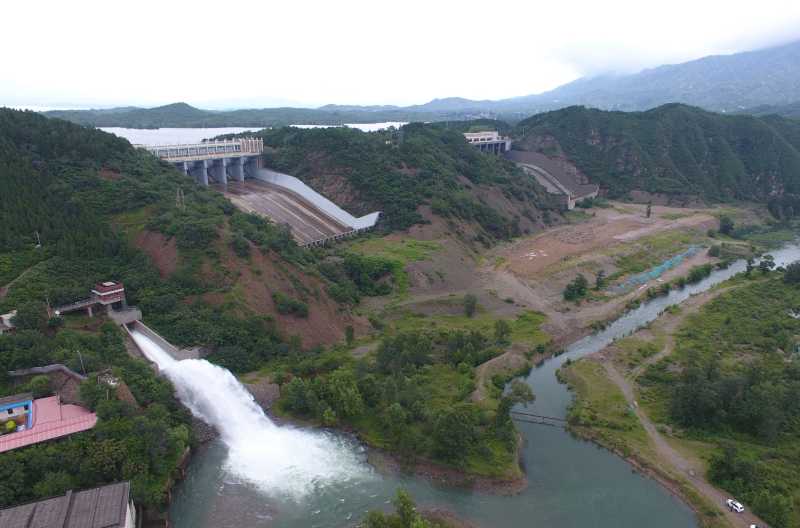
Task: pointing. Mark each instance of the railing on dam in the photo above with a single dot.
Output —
(206, 149)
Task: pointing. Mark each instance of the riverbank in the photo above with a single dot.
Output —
(604, 384)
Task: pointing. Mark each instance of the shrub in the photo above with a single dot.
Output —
(470, 303)
(715, 251)
(499, 380)
(576, 289)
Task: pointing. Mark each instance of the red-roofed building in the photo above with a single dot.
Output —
(47, 418)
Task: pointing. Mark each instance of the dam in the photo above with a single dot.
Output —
(232, 167)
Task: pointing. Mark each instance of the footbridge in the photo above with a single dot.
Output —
(232, 168)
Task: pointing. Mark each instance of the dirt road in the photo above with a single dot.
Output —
(715, 495)
(4, 289)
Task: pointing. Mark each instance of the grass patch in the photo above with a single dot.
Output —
(404, 251)
(675, 216)
(623, 211)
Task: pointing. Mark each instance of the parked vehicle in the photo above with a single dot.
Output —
(735, 506)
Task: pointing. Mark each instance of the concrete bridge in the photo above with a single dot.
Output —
(216, 159)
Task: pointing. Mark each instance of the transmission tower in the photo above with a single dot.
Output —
(180, 200)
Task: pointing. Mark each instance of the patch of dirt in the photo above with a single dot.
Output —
(160, 248)
(675, 366)
(604, 355)
(512, 360)
(362, 351)
(666, 199)
(108, 174)
(254, 292)
(264, 391)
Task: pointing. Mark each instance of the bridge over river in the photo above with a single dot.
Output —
(232, 168)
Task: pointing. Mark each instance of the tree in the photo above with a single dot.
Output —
(576, 289)
(766, 264)
(600, 280)
(453, 432)
(398, 429)
(792, 273)
(521, 393)
(470, 303)
(31, 315)
(725, 225)
(349, 334)
(649, 209)
(406, 515)
(750, 266)
(41, 386)
(502, 328)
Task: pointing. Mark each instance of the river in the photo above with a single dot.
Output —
(321, 479)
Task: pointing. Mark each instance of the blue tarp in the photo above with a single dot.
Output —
(655, 272)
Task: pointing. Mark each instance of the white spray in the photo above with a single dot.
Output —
(280, 460)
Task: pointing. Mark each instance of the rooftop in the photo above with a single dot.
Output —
(103, 507)
(50, 420)
(17, 398)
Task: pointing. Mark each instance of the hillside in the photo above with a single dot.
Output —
(182, 115)
(791, 110)
(674, 149)
(428, 165)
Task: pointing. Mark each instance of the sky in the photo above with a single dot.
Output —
(309, 53)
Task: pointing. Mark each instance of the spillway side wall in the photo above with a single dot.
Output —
(294, 184)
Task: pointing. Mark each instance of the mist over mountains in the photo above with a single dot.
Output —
(758, 83)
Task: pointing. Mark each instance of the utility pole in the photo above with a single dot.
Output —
(180, 200)
(81, 358)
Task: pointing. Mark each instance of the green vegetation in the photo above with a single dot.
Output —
(405, 515)
(141, 444)
(735, 389)
(576, 289)
(673, 149)
(426, 167)
(411, 396)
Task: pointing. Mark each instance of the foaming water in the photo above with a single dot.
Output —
(283, 461)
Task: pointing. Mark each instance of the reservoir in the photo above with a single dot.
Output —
(572, 482)
(163, 136)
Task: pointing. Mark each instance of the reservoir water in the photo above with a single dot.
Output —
(259, 474)
(173, 136)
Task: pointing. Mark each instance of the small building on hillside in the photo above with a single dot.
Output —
(107, 297)
(5, 322)
(17, 409)
(489, 141)
(104, 507)
(39, 420)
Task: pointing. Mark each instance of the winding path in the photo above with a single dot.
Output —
(4, 289)
(715, 495)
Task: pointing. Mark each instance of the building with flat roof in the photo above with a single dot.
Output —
(40, 420)
(490, 141)
(104, 507)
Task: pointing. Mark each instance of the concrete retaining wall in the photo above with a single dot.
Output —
(49, 369)
(293, 184)
(174, 351)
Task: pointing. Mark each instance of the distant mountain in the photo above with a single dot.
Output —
(182, 115)
(721, 83)
(673, 149)
(790, 110)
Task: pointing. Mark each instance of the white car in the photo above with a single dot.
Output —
(738, 508)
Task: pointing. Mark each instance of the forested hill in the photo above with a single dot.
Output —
(396, 172)
(182, 115)
(674, 149)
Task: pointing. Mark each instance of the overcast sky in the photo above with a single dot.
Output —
(352, 52)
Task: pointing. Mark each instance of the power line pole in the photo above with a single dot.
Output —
(180, 200)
